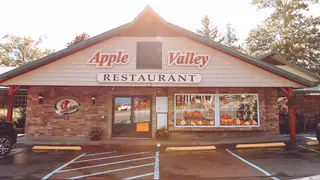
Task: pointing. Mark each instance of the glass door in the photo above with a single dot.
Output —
(131, 116)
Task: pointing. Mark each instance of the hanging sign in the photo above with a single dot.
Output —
(147, 78)
(108, 60)
(188, 58)
(67, 106)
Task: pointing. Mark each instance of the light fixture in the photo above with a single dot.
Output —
(93, 100)
(40, 99)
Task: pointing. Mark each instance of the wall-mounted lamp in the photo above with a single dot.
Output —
(93, 100)
(40, 98)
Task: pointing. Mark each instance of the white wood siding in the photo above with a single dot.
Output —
(298, 72)
(222, 71)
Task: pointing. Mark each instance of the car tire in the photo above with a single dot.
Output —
(6, 144)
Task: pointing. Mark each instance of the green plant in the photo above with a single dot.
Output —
(95, 134)
(162, 133)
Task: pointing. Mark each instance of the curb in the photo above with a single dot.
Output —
(74, 148)
(313, 143)
(191, 148)
(260, 145)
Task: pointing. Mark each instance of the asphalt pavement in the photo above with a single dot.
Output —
(149, 162)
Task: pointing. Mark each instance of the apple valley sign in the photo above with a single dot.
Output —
(175, 58)
(147, 78)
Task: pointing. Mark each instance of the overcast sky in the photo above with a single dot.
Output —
(61, 20)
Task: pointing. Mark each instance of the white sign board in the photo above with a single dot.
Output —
(148, 78)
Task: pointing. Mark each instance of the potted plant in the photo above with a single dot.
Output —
(95, 134)
(162, 133)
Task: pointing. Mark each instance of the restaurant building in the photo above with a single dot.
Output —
(147, 74)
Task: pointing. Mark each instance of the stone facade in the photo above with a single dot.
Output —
(43, 121)
(307, 106)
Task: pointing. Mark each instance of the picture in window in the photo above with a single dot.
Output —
(194, 110)
(238, 110)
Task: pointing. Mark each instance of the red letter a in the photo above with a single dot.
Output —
(95, 58)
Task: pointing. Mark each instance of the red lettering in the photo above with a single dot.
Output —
(172, 57)
(111, 60)
(95, 57)
(104, 58)
(125, 59)
(119, 56)
(197, 60)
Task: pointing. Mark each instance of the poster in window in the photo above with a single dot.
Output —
(194, 110)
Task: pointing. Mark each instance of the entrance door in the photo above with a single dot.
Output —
(131, 116)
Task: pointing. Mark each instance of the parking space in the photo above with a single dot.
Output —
(112, 164)
(282, 163)
(23, 163)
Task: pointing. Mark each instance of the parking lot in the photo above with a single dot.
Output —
(118, 162)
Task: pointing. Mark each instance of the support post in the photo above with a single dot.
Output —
(292, 119)
(11, 93)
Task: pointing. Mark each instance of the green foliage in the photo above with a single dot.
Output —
(17, 113)
(288, 30)
(17, 51)
(208, 31)
(230, 37)
(78, 38)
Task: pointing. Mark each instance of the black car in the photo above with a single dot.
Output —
(8, 137)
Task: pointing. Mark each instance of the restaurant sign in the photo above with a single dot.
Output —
(147, 78)
(188, 58)
(108, 60)
(67, 106)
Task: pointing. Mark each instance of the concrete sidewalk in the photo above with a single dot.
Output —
(46, 140)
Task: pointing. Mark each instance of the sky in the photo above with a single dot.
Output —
(61, 20)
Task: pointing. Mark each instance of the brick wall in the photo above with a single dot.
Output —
(307, 106)
(43, 121)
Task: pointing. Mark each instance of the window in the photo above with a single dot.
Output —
(149, 55)
(238, 109)
(194, 110)
(20, 101)
(211, 110)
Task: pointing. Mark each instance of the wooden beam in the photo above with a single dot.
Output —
(11, 93)
(285, 91)
(292, 118)
(16, 89)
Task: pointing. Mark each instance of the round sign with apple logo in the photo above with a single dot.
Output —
(67, 106)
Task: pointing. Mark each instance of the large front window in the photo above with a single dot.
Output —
(195, 110)
(238, 109)
(214, 110)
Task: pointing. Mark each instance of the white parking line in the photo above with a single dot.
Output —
(106, 164)
(114, 170)
(63, 166)
(111, 157)
(95, 154)
(140, 176)
(252, 165)
(309, 149)
(156, 166)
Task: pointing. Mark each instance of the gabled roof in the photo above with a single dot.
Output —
(275, 58)
(186, 33)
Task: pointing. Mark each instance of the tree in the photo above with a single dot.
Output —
(78, 38)
(288, 30)
(208, 31)
(17, 51)
(230, 37)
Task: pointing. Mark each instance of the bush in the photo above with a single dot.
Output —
(95, 134)
(162, 133)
